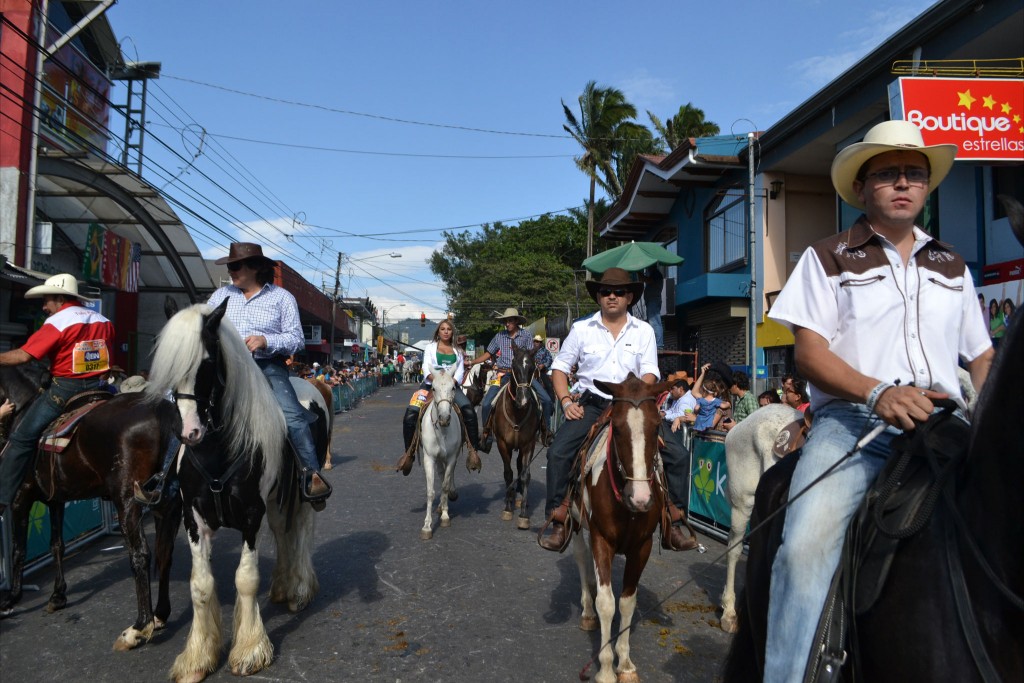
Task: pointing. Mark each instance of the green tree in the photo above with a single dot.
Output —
(604, 113)
(530, 266)
(633, 141)
(688, 122)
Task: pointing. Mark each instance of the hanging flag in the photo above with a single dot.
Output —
(92, 255)
(133, 269)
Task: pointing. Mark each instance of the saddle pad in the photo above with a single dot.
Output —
(58, 435)
(596, 453)
(790, 438)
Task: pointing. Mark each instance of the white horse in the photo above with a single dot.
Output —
(440, 443)
(748, 453)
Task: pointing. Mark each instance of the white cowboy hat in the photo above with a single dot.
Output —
(888, 136)
(64, 284)
(537, 337)
(511, 313)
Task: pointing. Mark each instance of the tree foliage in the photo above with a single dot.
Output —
(688, 122)
(534, 266)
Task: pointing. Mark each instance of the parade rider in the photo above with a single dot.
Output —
(267, 318)
(443, 352)
(881, 314)
(501, 350)
(606, 346)
(77, 341)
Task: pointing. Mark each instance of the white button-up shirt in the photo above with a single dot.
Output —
(601, 357)
(885, 320)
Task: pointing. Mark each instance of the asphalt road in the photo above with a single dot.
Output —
(480, 601)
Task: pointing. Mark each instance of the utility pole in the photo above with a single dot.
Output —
(334, 307)
(754, 296)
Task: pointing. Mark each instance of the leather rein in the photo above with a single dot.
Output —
(635, 402)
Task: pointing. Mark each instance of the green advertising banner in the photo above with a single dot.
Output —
(708, 481)
(80, 517)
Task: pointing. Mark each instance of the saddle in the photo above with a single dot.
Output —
(57, 436)
(898, 505)
(791, 437)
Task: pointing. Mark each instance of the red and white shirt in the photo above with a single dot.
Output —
(77, 341)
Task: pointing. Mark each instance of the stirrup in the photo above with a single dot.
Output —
(151, 492)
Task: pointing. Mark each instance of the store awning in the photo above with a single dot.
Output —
(74, 192)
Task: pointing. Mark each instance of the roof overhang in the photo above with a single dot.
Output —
(73, 193)
(655, 184)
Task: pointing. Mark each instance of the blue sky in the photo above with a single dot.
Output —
(369, 128)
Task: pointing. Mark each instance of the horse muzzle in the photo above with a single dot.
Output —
(637, 496)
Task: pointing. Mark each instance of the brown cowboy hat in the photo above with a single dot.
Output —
(243, 251)
(511, 313)
(615, 278)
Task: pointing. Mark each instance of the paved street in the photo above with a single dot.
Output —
(480, 601)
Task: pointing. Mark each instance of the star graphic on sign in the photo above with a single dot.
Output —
(988, 102)
(965, 99)
(1006, 107)
(1016, 118)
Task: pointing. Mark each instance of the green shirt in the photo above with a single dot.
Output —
(445, 360)
(744, 406)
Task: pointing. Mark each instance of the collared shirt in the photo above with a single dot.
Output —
(601, 357)
(885, 320)
(503, 342)
(77, 340)
(543, 357)
(678, 408)
(744, 406)
(272, 313)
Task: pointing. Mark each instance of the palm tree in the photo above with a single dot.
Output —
(602, 112)
(688, 122)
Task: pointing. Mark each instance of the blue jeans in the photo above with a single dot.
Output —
(815, 527)
(562, 453)
(654, 320)
(676, 459)
(17, 457)
(546, 406)
(294, 414)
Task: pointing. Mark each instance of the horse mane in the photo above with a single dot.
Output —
(252, 418)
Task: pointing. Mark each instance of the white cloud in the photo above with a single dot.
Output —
(647, 91)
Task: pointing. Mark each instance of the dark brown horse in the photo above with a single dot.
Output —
(516, 421)
(952, 606)
(477, 386)
(622, 505)
(117, 444)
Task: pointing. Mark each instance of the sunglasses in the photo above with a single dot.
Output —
(237, 265)
(617, 292)
(914, 174)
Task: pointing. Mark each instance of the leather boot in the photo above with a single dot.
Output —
(678, 535)
(473, 463)
(556, 540)
(408, 432)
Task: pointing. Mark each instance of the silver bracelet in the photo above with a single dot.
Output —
(875, 394)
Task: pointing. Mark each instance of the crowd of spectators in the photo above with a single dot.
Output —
(387, 372)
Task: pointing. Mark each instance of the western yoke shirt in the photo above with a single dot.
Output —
(601, 357)
(272, 313)
(77, 340)
(885, 320)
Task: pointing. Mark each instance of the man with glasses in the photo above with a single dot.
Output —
(267, 317)
(881, 314)
(606, 346)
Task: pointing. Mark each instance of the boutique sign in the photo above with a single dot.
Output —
(983, 117)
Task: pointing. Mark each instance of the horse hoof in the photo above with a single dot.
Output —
(589, 624)
(523, 523)
(426, 534)
(328, 466)
(446, 523)
(628, 677)
(730, 623)
(506, 516)
(56, 605)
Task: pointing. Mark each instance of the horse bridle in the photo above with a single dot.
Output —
(609, 452)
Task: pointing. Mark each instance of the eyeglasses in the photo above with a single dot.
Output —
(617, 292)
(914, 174)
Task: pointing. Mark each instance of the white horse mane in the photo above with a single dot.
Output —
(252, 417)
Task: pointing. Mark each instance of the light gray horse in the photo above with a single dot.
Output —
(440, 443)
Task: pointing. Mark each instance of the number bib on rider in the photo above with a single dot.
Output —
(90, 356)
(496, 380)
(419, 398)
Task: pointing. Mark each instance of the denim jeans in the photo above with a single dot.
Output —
(814, 530)
(676, 459)
(545, 400)
(22, 446)
(562, 453)
(294, 414)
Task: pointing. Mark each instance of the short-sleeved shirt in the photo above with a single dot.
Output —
(885, 320)
(271, 313)
(500, 347)
(706, 409)
(78, 341)
(744, 406)
(601, 357)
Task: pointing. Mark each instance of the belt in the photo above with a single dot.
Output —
(589, 398)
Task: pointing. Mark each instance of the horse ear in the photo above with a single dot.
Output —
(170, 306)
(213, 322)
(604, 387)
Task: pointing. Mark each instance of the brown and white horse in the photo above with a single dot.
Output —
(622, 505)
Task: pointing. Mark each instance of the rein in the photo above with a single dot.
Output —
(635, 402)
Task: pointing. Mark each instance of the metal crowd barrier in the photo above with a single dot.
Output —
(347, 396)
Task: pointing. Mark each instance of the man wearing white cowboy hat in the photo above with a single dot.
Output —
(77, 342)
(606, 346)
(881, 314)
(267, 317)
(501, 350)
